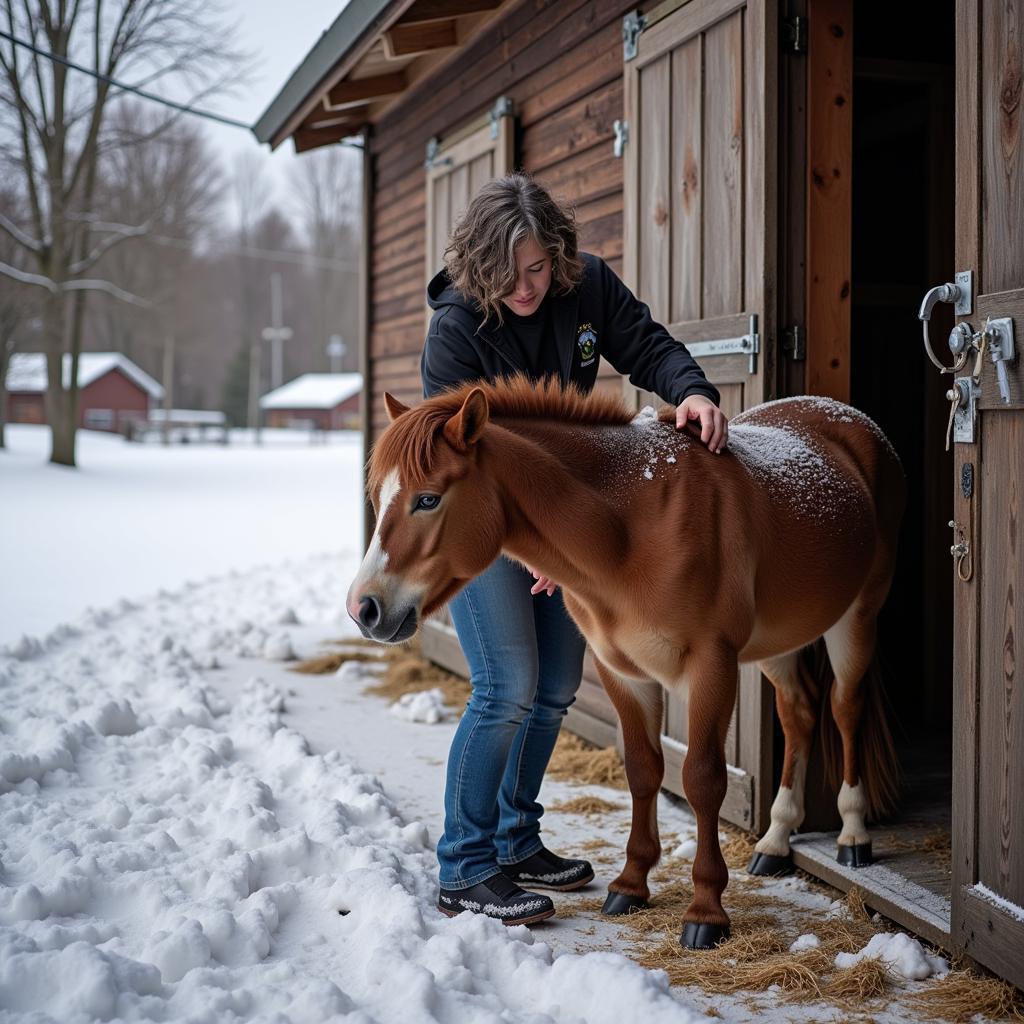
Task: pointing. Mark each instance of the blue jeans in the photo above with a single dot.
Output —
(526, 659)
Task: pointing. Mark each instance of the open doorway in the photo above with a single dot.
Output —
(902, 240)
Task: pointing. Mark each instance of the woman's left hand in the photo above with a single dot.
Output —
(544, 583)
(714, 427)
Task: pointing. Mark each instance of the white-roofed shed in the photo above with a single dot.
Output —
(327, 401)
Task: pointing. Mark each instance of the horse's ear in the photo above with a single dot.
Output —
(463, 429)
(394, 407)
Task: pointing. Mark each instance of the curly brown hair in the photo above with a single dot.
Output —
(480, 257)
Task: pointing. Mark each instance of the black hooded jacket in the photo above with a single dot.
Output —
(600, 317)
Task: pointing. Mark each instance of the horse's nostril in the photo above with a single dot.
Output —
(369, 612)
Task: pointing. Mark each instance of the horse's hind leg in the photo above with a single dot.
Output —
(796, 710)
(851, 645)
(639, 707)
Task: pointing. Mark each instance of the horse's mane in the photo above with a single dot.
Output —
(408, 443)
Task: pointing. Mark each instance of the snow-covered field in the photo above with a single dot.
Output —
(189, 832)
(134, 518)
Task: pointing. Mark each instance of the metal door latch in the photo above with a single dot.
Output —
(1001, 348)
(963, 397)
(961, 552)
(621, 130)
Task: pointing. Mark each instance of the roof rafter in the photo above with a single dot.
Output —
(362, 91)
(442, 10)
(408, 40)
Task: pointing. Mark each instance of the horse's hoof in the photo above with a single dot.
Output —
(770, 864)
(858, 856)
(703, 936)
(619, 903)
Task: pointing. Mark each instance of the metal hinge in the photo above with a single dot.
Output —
(433, 160)
(794, 344)
(794, 34)
(749, 344)
(621, 129)
(632, 25)
(502, 108)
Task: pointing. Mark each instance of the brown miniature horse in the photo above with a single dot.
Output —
(677, 565)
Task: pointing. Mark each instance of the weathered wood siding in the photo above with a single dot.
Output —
(561, 64)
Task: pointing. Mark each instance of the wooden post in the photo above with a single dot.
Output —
(829, 196)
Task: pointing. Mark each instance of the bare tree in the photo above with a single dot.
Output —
(172, 182)
(55, 131)
(17, 308)
(251, 192)
(327, 191)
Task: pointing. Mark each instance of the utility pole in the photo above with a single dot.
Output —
(255, 376)
(276, 333)
(168, 384)
(336, 352)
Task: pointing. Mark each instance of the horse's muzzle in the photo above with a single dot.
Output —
(385, 626)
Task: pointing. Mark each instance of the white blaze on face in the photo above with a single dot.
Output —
(375, 560)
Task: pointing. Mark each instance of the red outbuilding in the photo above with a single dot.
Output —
(323, 401)
(113, 391)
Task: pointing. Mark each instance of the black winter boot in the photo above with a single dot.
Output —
(546, 870)
(497, 897)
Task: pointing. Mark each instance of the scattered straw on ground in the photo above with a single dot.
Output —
(962, 994)
(591, 806)
(575, 760)
(588, 905)
(325, 664)
(866, 979)
(403, 671)
(409, 673)
(738, 846)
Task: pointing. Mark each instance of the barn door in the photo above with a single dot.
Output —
(988, 580)
(699, 239)
(456, 168)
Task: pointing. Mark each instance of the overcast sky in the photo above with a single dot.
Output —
(278, 35)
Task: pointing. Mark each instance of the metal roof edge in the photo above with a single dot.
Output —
(353, 22)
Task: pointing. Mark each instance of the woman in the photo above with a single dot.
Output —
(516, 296)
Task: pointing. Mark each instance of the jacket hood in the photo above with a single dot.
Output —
(441, 292)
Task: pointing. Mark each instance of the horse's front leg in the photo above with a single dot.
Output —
(639, 707)
(712, 677)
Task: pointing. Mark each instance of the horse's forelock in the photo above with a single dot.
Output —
(408, 445)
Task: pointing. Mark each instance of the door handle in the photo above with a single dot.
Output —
(962, 337)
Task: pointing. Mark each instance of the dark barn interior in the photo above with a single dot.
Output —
(902, 238)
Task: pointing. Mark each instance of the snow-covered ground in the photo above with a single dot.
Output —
(190, 832)
(134, 518)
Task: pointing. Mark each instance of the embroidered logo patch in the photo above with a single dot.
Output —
(586, 338)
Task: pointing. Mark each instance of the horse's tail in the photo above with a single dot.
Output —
(876, 751)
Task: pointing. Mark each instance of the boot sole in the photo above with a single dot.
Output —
(530, 884)
(543, 916)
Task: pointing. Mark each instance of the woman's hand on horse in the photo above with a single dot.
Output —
(543, 583)
(714, 426)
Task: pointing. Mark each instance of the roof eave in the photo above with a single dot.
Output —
(348, 29)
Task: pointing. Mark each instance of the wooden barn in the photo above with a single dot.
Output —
(114, 393)
(323, 401)
(782, 181)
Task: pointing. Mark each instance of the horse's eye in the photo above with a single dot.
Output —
(426, 502)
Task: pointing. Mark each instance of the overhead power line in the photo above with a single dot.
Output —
(184, 108)
(144, 93)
